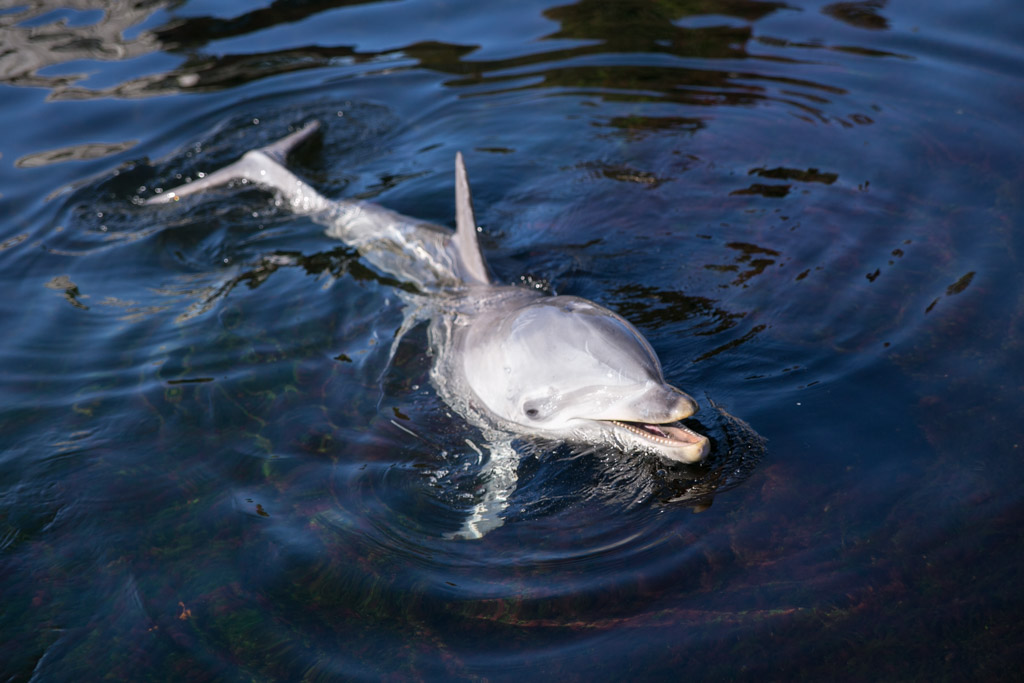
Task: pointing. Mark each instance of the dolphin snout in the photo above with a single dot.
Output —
(660, 404)
(685, 406)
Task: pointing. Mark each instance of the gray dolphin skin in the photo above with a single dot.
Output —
(510, 360)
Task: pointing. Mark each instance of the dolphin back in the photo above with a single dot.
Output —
(430, 257)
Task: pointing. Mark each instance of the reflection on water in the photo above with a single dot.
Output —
(864, 14)
(211, 466)
(44, 35)
(595, 27)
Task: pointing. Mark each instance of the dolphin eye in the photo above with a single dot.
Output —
(532, 409)
(541, 407)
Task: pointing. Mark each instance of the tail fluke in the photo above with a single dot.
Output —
(279, 151)
(265, 167)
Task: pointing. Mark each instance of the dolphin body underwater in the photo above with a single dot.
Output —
(510, 360)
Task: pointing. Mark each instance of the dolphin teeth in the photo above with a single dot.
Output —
(674, 435)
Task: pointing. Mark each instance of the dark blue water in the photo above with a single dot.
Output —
(209, 470)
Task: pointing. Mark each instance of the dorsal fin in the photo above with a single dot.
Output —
(465, 239)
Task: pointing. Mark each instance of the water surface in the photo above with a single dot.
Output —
(209, 469)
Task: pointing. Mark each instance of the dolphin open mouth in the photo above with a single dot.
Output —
(674, 436)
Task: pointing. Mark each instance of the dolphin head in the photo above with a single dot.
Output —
(565, 368)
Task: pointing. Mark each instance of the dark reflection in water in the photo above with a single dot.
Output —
(194, 32)
(653, 30)
(864, 14)
(212, 467)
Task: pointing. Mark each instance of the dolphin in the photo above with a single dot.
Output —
(510, 360)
